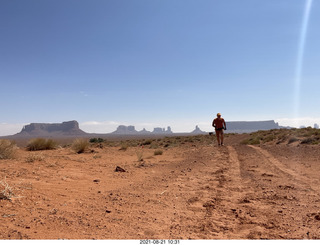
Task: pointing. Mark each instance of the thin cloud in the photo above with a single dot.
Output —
(10, 129)
(298, 122)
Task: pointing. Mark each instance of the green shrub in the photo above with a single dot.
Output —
(96, 140)
(309, 140)
(292, 139)
(80, 145)
(147, 142)
(251, 141)
(269, 138)
(39, 144)
(7, 149)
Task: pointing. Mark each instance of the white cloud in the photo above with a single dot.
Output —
(10, 129)
(297, 122)
(99, 127)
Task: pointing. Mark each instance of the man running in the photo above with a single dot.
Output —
(219, 124)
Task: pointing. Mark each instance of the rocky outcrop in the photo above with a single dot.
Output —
(251, 126)
(198, 131)
(70, 128)
(130, 130)
(162, 131)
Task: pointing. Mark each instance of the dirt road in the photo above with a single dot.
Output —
(195, 191)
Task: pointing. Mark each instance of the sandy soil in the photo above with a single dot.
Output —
(194, 191)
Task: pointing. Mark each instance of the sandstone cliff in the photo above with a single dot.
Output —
(70, 128)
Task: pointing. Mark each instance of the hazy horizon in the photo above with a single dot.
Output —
(158, 63)
(111, 126)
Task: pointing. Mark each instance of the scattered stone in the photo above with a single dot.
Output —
(3, 196)
(209, 204)
(96, 180)
(317, 217)
(245, 200)
(108, 211)
(119, 169)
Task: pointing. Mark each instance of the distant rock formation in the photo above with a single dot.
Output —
(198, 131)
(70, 128)
(125, 130)
(251, 126)
(144, 131)
(130, 130)
(162, 131)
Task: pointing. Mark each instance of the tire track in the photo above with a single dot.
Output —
(280, 166)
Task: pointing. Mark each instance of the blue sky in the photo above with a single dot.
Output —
(156, 63)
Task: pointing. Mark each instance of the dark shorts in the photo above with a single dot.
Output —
(219, 131)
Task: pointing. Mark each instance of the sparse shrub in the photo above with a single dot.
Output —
(139, 155)
(158, 152)
(269, 138)
(6, 193)
(96, 156)
(80, 145)
(251, 141)
(154, 145)
(34, 157)
(40, 144)
(309, 140)
(147, 142)
(292, 139)
(7, 149)
(123, 147)
(96, 140)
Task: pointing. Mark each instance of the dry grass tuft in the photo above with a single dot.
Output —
(124, 147)
(7, 192)
(7, 149)
(139, 156)
(40, 144)
(34, 157)
(80, 145)
(304, 136)
(158, 152)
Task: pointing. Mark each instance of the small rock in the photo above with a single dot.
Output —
(317, 217)
(119, 169)
(108, 211)
(96, 180)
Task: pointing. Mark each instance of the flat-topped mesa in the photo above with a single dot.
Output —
(251, 126)
(122, 129)
(162, 130)
(52, 129)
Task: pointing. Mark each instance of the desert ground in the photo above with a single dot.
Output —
(172, 188)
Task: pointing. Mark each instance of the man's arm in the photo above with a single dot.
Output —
(225, 125)
(213, 124)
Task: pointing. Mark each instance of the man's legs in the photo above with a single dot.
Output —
(222, 137)
(218, 132)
